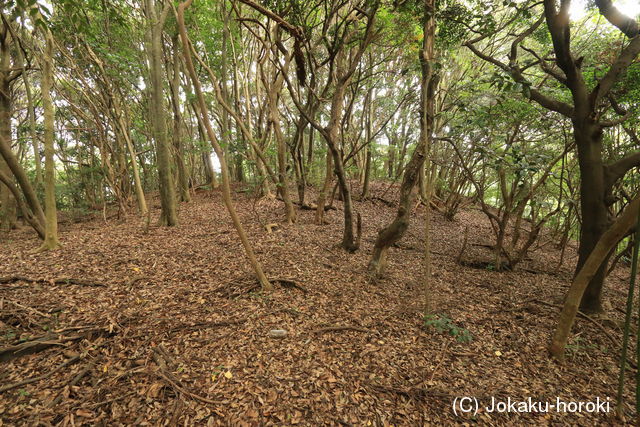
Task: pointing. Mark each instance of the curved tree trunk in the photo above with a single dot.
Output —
(590, 269)
(394, 231)
(28, 215)
(8, 218)
(22, 179)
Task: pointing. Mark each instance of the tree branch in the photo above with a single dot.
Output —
(616, 18)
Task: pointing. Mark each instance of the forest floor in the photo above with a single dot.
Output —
(167, 328)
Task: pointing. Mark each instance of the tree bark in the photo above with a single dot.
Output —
(51, 215)
(183, 179)
(28, 215)
(593, 207)
(169, 215)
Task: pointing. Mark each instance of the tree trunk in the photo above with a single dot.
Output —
(592, 265)
(22, 179)
(169, 215)
(8, 218)
(32, 129)
(51, 216)
(367, 173)
(595, 216)
(350, 241)
(322, 197)
(183, 178)
(391, 157)
(273, 88)
(28, 215)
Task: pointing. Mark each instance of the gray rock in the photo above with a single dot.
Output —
(277, 333)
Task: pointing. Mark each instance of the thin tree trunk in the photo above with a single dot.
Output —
(322, 197)
(226, 188)
(32, 129)
(51, 216)
(183, 179)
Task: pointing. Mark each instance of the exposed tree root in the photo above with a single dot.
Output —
(288, 283)
(24, 307)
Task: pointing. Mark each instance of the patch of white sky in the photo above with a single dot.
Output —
(631, 8)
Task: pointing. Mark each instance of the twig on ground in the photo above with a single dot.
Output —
(24, 307)
(165, 374)
(340, 328)
(58, 281)
(41, 377)
(74, 381)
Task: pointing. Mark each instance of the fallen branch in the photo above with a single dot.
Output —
(24, 307)
(74, 381)
(174, 382)
(41, 377)
(340, 328)
(42, 343)
(59, 281)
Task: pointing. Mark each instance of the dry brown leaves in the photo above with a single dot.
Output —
(356, 353)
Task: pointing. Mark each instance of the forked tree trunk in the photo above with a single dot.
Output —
(350, 241)
(273, 88)
(226, 188)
